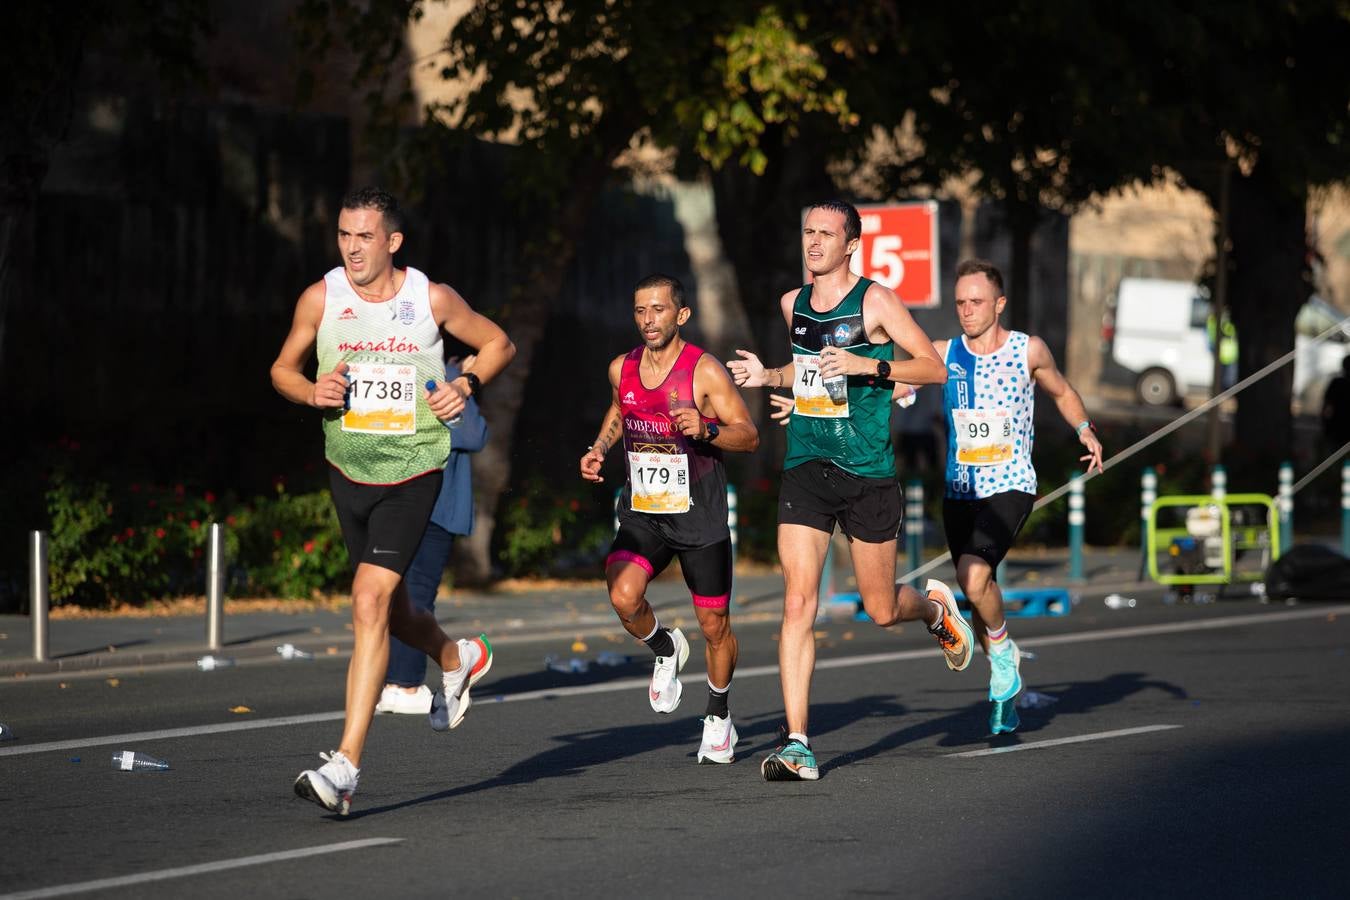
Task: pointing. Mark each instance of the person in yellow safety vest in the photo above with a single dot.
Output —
(1228, 347)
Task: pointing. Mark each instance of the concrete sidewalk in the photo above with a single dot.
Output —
(118, 643)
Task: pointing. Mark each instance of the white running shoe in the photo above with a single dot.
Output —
(331, 785)
(719, 741)
(666, 689)
(452, 701)
(393, 699)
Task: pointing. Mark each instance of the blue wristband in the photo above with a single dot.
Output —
(1078, 432)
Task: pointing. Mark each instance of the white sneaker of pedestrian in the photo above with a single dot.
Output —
(331, 785)
(666, 689)
(393, 699)
(719, 741)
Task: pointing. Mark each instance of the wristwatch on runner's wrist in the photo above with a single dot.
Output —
(713, 432)
(883, 369)
(474, 384)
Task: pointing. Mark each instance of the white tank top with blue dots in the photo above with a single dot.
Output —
(1000, 385)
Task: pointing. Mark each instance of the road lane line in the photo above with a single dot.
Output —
(62, 890)
(1037, 745)
(1100, 634)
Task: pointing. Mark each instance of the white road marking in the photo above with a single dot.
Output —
(62, 890)
(1101, 634)
(1037, 745)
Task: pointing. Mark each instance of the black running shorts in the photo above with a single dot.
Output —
(986, 527)
(818, 493)
(707, 570)
(382, 524)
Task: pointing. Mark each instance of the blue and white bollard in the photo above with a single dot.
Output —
(1345, 508)
(1076, 521)
(914, 524)
(1285, 503)
(1148, 492)
(1218, 483)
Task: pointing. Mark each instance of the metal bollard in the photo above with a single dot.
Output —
(215, 587)
(1345, 508)
(1285, 502)
(1148, 492)
(1076, 520)
(733, 520)
(38, 600)
(1218, 482)
(914, 524)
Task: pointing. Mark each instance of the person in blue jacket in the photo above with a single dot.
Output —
(405, 689)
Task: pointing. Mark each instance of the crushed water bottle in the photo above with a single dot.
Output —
(1117, 601)
(574, 666)
(1035, 700)
(132, 761)
(836, 386)
(209, 663)
(610, 658)
(5, 733)
(290, 651)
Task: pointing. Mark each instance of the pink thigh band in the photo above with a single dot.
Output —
(711, 602)
(628, 556)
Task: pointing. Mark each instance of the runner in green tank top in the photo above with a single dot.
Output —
(838, 468)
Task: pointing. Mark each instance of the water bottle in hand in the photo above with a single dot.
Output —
(836, 386)
(431, 386)
(131, 761)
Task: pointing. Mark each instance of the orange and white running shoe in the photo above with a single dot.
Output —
(952, 631)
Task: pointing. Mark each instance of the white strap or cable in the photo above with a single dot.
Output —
(1319, 469)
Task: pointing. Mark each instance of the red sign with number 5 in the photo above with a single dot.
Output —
(899, 249)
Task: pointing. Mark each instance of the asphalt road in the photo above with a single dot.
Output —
(1190, 751)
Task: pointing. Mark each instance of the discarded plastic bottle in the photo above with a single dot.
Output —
(610, 658)
(5, 733)
(1116, 601)
(290, 651)
(1035, 700)
(836, 386)
(208, 662)
(573, 666)
(131, 761)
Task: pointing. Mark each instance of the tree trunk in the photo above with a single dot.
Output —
(546, 259)
(1022, 220)
(1268, 284)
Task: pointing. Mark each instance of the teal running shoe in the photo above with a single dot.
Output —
(1005, 677)
(792, 761)
(1003, 718)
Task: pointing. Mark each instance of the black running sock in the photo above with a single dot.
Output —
(717, 703)
(662, 643)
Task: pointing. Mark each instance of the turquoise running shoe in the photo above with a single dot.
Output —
(1003, 718)
(792, 761)
(1005, 677)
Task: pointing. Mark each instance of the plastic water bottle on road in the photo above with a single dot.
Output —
(1116, 601)
(132, 761)
(210, 663)
(290, 651)
(837, 386)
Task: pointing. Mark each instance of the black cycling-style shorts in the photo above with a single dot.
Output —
(707, 570)
(382, 524)
(985, 527)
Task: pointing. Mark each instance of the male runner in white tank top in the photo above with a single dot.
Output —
(381, 388)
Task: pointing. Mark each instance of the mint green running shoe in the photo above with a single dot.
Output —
(1005, 677)
(792, 761)
(1003, 718)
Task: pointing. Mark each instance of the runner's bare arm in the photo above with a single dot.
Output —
(1049, 379)
(718, 398)
(748, 371)
(288, 372)
(611, 429)
(884, 316)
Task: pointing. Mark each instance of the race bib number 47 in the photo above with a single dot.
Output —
(984, 437)
(811, 396)
(660, 482)
(381, 399)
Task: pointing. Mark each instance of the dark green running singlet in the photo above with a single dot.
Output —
(861, 443)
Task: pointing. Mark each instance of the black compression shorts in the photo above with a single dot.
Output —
(382, 524)
(818, 493)
(986, 527)
(707, 570)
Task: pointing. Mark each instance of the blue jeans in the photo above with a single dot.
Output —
(408, 666)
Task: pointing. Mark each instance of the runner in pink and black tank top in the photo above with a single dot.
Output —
(676, 410)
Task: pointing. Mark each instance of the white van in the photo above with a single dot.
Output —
(1155, 341)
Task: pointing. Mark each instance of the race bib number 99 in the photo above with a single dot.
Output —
(381, 399)
(984, 437)
(810, 395)
(660, 482)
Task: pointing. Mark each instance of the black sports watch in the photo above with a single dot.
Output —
(713, 432)
(883, 369)
(474, 384)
